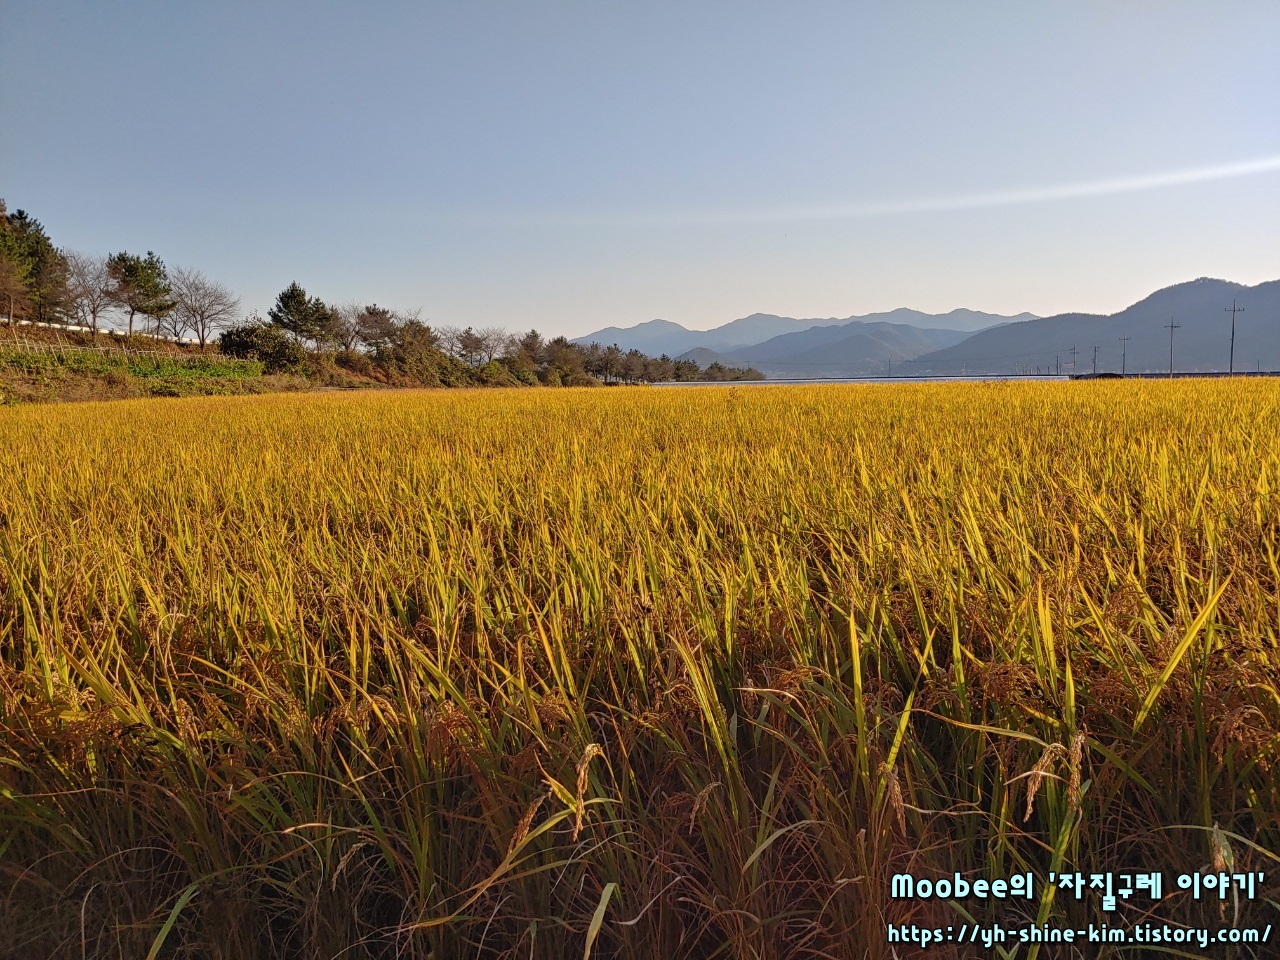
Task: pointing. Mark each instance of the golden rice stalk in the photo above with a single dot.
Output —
(895, 798)
(1052, 753)
(1075, 762)
(526, 823)
(593, 750)
(700, 802)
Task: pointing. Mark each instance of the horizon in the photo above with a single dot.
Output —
(943, 313)
(573, 168)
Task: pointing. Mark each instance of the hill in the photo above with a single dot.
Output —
(858, 348)
(1201, 343)
(656, 337)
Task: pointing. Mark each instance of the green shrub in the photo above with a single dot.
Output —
(356, 362)
(277, 351)
(415, 362)
(496, 374)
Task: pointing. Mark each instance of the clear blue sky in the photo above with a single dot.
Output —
(572, 165)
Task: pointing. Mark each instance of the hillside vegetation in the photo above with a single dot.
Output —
(42, 364)
(629, 673)
(38, 367)
(78, 326)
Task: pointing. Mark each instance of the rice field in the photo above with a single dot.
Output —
(631, 673)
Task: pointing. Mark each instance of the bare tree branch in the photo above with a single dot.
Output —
(450, 340)
(90, 285)
(203, 306)
(344, 327)
(493, 342)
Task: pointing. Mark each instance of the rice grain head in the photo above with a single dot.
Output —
(592, 751)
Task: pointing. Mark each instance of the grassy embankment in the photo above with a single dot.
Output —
(43, 365)
(691, 672)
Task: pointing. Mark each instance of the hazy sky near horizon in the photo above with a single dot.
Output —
(574, 165)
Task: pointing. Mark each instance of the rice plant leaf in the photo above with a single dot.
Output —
(597, 919)
(183, 899)
(1178, 653)
(769, 842)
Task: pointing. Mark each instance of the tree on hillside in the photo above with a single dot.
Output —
(203, 306)
(140, 285)
(448, 337)
(35, 264)
(493, 342)
(13, 288)
(89, 286)
(376, 326)
(307, 318)
(565, 361)
(525, 354)
(343, 330)
(415, 334)
(470, 347)
(531, 347)
(14, 271)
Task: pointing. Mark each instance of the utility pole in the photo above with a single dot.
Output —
(1095, 359)
(890, 368)
(1124, 351)
(1231, 365)
(1171, 326)
(1073, 358)
(1057, 366)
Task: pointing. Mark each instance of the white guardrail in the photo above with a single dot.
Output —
(108, 330)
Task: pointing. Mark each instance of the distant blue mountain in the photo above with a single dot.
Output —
(657, 337)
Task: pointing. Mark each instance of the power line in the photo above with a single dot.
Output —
(1231, 366)
(1171, 326)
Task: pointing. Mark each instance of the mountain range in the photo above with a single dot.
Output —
(1201, 341)
(856, 348)
(657, 337)
(908, 342)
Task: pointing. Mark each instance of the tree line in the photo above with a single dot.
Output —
(44, 284)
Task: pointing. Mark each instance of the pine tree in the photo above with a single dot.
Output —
(33, 272)
(307, 318)
(140, 285)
